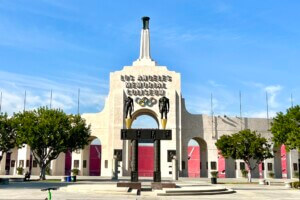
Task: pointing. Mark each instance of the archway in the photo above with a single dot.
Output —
(88, 160)
(95, 158)
(197, 158)
(145, 119)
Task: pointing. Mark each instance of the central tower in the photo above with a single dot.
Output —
(145, 57)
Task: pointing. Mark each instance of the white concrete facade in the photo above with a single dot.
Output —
(146, 79)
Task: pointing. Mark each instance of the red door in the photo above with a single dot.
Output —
(68, 163)
(193, 161)
(146, 161)
(95, 160)
(221, 166)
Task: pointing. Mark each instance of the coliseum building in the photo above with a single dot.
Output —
(145, 81)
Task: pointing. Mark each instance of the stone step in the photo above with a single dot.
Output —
(188, 193)
(104, 192)
(194, 189)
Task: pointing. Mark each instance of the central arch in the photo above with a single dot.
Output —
(145, 118)
(145, 112)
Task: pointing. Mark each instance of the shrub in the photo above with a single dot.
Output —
(271, 174)
(296, 174)
(295, 184)
(214, 174)
(244, 173)
(20, 170)
(75, 172)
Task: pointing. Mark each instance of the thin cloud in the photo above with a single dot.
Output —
(185, 35)
(64, 95)
(222, 7)
(260, 114)
(253, 84)
(215, 84)
(61, 11)
(272, 91)
(18, 36)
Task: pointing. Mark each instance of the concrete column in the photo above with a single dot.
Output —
(58, 165)
(174, 169)
(292, 158)
(157, 172)
(115, 168)
(205, 166)
(230, 172)
(289, 164)
(134, 161)
(277, 163)
(120, 167)
(23, 156)
(79, 156)
(2, 164)
(255, 172)
(14, 158)
(265, 171)
(238, 173)
(183, 160)
(208, 155)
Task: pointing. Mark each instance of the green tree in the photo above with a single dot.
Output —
(7, 134)
(246, 145)
(50, 132)
(286, 128)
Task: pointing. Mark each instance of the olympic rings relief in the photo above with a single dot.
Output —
(145, 101)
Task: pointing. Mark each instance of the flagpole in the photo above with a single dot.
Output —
(212, 115)
(267, 102)
(78, 101)
(241, 111)
(24, 101)
(292, 103)
(51, 99)
(1, 103)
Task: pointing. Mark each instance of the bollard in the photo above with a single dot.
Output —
(73, 178)
(262, 182)
(174, 169)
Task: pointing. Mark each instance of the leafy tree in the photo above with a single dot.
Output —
(286, 128)
(7, 134)
(246, 145)
(50, 132)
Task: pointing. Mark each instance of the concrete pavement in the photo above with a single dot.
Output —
(32, 190)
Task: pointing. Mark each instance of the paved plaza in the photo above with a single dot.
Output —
(32, 190)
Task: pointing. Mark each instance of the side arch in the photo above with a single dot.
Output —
(197, 158)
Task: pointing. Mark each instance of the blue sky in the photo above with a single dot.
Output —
(219, 47)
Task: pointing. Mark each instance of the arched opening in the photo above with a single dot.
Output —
(88, 160)
(197, 158)
(95, 158)
(145, 149)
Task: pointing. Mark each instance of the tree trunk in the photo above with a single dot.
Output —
(249, 175)
(249, 171)
(43, 172)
